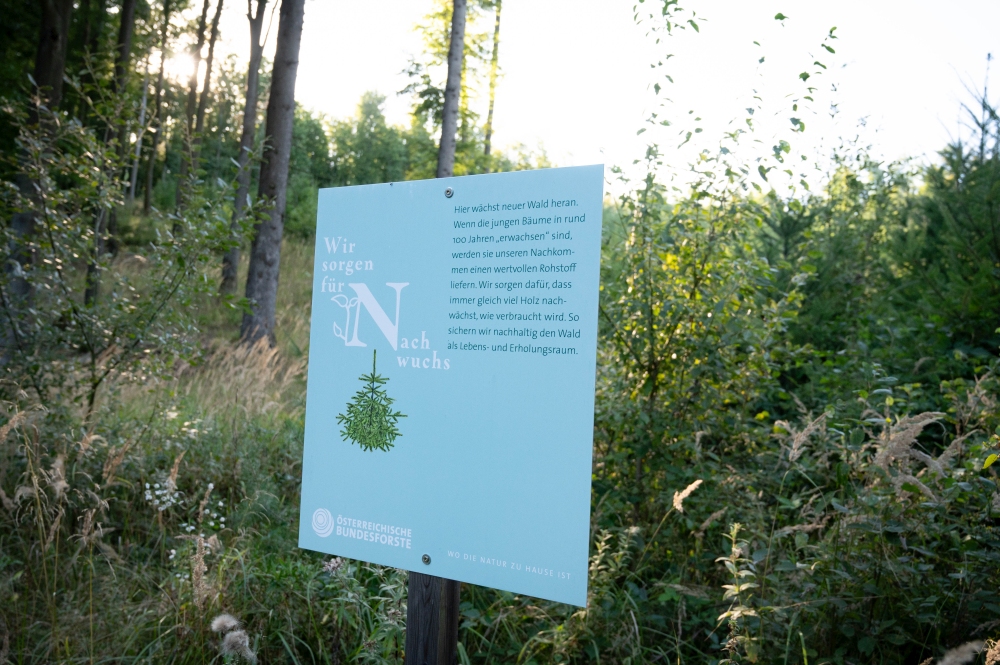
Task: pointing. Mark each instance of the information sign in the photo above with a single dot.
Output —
(450, 405)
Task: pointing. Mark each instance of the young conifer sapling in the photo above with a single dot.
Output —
(370, 421)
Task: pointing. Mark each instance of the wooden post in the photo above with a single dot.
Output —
(431, 620)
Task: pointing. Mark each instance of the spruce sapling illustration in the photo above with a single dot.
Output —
(370, 421)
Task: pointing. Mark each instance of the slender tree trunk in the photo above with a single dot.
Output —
(138, 139)
(123, 49)
(123, 53)
(189, 107)
(157, 125)
(231, 260)
(494, 62)
(265, 252)
(432, 607)
(206, 87)
(452, 91)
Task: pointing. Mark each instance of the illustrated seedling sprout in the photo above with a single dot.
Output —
(370, 421)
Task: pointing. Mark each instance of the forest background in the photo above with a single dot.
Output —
(796, 412)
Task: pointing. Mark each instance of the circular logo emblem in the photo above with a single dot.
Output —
(322, 522)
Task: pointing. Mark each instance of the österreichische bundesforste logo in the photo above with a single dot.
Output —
(322, 522)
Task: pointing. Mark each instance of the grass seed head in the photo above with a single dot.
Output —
(962, 654)
(225, 623)
(683, 494)
(236, 643)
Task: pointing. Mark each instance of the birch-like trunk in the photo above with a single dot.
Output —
(189, 108)
(206, 88)
(138, 139)
(494, 67)
(452, 91)
(123, 53)
(231, 259)
(157, 124)
(265, 252)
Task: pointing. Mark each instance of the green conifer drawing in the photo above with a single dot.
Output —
(370, 421)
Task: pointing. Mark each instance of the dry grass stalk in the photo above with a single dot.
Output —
(962, 654)
(115, 459)
(897, 440)
(700, 533)
(685, 493)
(204, 502)
(54, 528)
(16, 420)
(803, 528)
(200, 588)
(175, 470)
(23, 492)
(798, 439)
(256, 379)
(57, 477)
(908, 479)
(955, 448)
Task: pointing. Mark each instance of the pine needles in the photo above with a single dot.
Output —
(370, 421)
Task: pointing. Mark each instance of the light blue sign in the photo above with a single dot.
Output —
(450, 408)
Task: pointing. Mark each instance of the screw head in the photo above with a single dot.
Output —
(426, 559)
(449, 192)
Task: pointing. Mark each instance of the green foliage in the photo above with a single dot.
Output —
(370, 421)
(56, 342)
(795, 394)
(367, 150)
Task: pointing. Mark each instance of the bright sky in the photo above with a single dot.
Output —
(576, 74)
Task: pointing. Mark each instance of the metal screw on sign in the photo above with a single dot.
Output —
(449, 192)
(426, 559)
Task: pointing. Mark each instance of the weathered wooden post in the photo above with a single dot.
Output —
(431, 620)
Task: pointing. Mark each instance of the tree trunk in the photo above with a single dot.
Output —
(123, 53)
(452, 91)
(265, 252)
(138, 139)
(432, 602)
(157, 125)
(189, 107)
(50, 61)
(494, 62)
(206, 87)
(231, 260)
(123, 50)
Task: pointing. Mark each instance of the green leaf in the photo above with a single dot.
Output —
(763, 172)
(989, 461)
(804, 76)
(779, 17)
